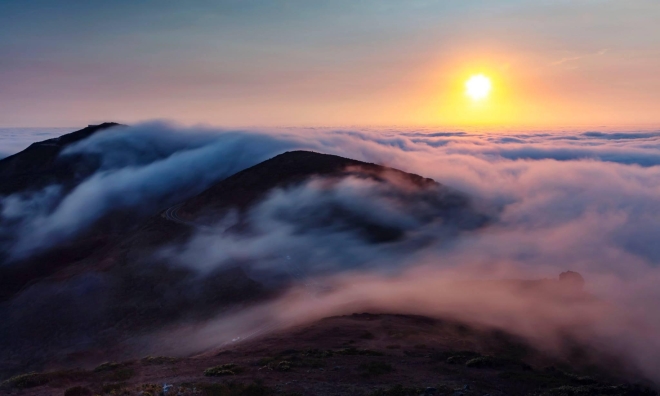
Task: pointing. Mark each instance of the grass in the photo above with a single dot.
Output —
(375, 369)
(223, 370)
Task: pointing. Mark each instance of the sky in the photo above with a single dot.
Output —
(591, 63)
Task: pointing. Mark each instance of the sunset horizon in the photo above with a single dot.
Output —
(330, 198)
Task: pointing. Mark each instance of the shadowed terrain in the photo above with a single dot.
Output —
(360, 354)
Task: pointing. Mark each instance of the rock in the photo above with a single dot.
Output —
(430, 391)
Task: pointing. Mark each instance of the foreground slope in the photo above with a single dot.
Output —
(40, 164)
(359, 354)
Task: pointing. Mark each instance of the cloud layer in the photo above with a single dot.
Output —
(586, 201)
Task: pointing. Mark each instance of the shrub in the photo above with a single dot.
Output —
(107, 366)
(284, 365)
(156, 360)
(122, 374)
(318, 353)
(481, 362)
(78, 391)
(358, 352)
(548, 378)
(375, 368)
(460, 357)
(233, 389)
(265, 361)
(494, 362)
(114, 389)
(23, 381)
(398, 390)
(222, 370)
(151, 390)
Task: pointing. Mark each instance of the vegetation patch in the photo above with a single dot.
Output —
(230, 389)
(496, 363)
(455, 357)
(375, 369)
(593, 390)
(107, 366)
(115, 389)
(78, 391)
(158, 360)
(398, 390)
(151, 390)
(223, 370)
(284, 365)
(548, 378)
(357, 352)
(24, 381)
(318, 353)
(56, 378)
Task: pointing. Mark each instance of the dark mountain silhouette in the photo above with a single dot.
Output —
(40, 164)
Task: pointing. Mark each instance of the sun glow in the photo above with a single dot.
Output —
(478, 87)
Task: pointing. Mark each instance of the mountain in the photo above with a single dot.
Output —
(126, 280)
(40, 164)
(360, 354)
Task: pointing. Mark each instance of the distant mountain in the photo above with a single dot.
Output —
(40, 164)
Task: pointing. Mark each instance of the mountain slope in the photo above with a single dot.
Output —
(40, 165)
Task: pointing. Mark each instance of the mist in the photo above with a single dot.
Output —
(540, 204)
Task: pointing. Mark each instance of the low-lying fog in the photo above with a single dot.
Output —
(585, 201)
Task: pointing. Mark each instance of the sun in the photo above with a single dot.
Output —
(478, 87)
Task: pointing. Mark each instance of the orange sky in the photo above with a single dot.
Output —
(590, 63)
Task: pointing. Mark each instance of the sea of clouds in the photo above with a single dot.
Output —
(13, 140)
(587, 201)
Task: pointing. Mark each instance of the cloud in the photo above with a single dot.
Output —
(585, 201)
(13, 140)
(578, 57)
